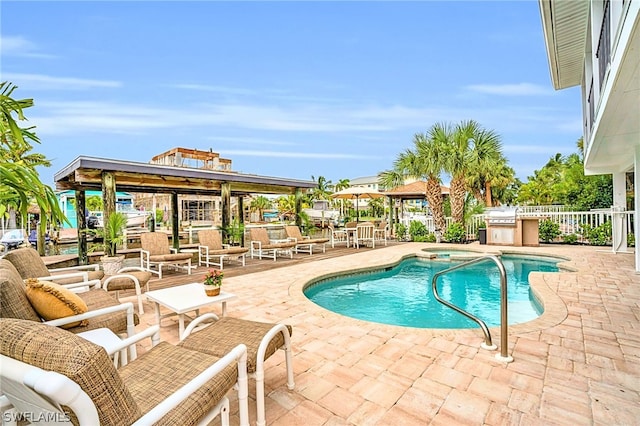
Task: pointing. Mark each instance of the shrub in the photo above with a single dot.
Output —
(418, 231)
(570, 239)
(455, 233)
(548, 230)
(598, 236)
(631, 240)
(401, 231)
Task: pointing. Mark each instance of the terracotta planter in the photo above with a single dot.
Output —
(111, 265)
(211, 290)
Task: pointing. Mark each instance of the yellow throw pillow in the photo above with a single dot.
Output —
(52, 301)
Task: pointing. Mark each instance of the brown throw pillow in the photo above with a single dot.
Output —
(52, 301)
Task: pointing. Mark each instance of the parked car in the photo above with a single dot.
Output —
(93, 222)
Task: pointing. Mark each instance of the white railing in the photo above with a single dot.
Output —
(569, 222)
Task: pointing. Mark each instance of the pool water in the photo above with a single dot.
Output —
(402, 295)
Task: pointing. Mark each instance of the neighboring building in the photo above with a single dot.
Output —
(67, 203)
(596, 44)
(194, 209)
(370, 182)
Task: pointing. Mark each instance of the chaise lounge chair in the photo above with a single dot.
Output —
(261, 245)
(29, 264)
(155, 253)
(49, 373)
(261, 339)
(304, 244)
(103, 311)
(210, 249)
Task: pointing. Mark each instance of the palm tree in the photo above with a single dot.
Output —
(19, 180)
(486, 165)
(260, 203)
(321, 191)
(339, 186)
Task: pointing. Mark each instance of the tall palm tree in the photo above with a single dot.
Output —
(486, 165)
(19, 180)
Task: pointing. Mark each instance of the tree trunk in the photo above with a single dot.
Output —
(434, 197)
(487, 193)
(458, 192)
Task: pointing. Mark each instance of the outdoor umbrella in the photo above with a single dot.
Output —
(355, 193)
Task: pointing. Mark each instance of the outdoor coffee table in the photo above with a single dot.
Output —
(185, 298)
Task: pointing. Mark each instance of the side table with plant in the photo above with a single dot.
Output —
(213, 282)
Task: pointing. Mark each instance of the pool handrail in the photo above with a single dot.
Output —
(504, 334)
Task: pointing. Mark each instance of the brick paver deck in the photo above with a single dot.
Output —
(579, 363)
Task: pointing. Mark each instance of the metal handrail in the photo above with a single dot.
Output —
(504, 335)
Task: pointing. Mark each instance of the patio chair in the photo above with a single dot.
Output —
(338, 236)
(364, 234)
(261, 339)
(128, 278)
(29, 264)
(380, 233)
(103, 311)
(49, 373)
(304, 244)
(210, 249)
(156, 253)
(261, 245)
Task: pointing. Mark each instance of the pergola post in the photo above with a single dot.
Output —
(225, 196)
(298, 197)
(175, 223)
(81, 221)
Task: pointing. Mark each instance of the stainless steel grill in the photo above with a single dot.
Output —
(503, 216)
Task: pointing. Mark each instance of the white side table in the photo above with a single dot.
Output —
(109, 341)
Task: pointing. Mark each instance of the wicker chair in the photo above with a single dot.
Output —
(128, 278)
(103, 310)
(29, 264)
(261, 339)
(261, 245)
(49, 373)
(380, 233)
(211, 248)
(155, 252)
(304, 244)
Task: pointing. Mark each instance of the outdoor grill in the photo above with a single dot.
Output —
(502, 217)
(506, 227)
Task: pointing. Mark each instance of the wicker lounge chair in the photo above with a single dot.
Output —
(210, 249)
(50, 373)
(103, 310)
(261, 245)
(128, 278)
(261, 339)
(155, 252)
(29, 264)
(304, 244)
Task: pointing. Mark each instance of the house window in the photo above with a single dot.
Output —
(193, 210)
(604, 44)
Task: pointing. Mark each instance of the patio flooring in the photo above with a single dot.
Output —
(579, 363)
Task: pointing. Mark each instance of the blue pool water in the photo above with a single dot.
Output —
(402, 295)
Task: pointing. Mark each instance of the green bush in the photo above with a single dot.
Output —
(548, 230)
(598, 236)
(418, 231)
(401, 231)
(631, 240)
(455, 233)
(570, 239)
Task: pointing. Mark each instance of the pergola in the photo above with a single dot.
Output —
(412, 191)
(91, 173)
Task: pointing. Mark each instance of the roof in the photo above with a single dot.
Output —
(413, 189)
(565, 24)
(364, 180)
(85, 173)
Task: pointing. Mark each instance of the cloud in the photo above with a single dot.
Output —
(315, 155)
(47, 82)
(520, 89)
(20, 46)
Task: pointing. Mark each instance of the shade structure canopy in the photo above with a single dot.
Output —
(355, 193)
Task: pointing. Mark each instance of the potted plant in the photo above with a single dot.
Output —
(112, 236)
(213, 282)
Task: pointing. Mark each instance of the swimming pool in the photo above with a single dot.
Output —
(402, 295)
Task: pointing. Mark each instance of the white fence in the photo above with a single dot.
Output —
(569, 222)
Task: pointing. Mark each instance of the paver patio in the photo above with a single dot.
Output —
(579, 363)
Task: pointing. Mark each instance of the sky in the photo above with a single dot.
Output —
(287, 89)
